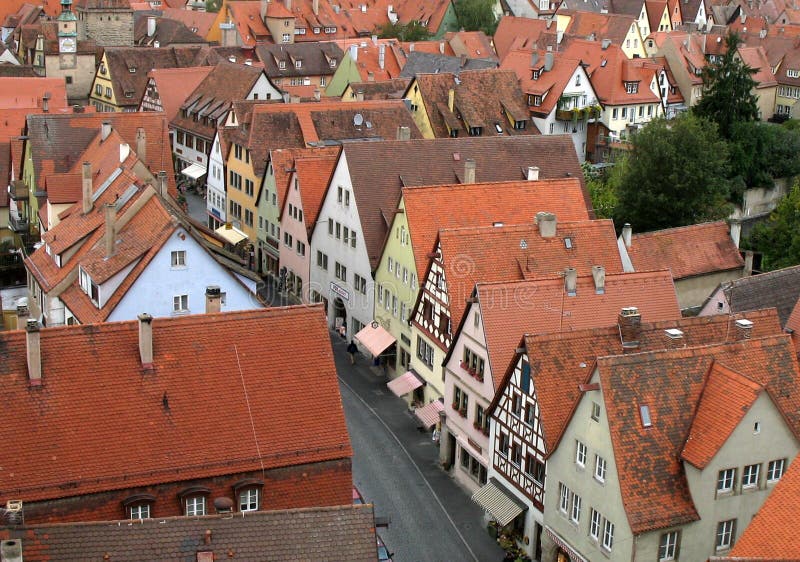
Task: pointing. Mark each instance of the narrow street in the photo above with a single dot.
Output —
(396, 468)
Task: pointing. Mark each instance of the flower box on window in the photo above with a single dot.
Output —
(463, 412)
(477, 425)
(479, 376)
(455, 405)
(472, 371)
(464, 366)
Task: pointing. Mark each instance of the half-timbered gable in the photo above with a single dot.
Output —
(432, 315)
(549, 374)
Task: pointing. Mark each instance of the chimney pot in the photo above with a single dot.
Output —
(627, 233)
(34, 353)
(86, 182)
(146, 340)
(469, 170)
(571, 281)
(213, 299)
(599, 276)
(547, 224)
(124, 152)
(360, 95)
(674, 337)
(630, 323)
(533, 173)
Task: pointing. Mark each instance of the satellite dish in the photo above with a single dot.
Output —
(368, 124)
(358, 119)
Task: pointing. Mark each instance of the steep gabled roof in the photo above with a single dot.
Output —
(511, 309)
(561, 361)
(434, 63)
(316, 59)
(724, 400)
(430, 208)
(755, 58)
(549, 84)
(344, 532)
(513, 253)
(522, 33)
(174, 85)
(198, 360)
(168, 32)
(380, 170)
(198, 22)
(688, 250)
(314, 169)
(28, 92)
(652, 479)
(779, 288)
(596, 27)
(393, 88)
(767, 537)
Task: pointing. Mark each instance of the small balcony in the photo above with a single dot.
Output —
(18, 223)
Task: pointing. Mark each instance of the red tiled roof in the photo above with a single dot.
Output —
(63, 188)
(512, 253)
(610, 26)
(66, 446)
(314, 168)
(198, 22)
(28, 92)
(755, 58)
(472, 44)
(651, 476)
(793, 324)
(560, 361)
(522, 33)
(550, 84)
(175, 85)
(725, 399)
(368, 58)
(688, 250)
(770, 536)
(511, 309)
(429, 208)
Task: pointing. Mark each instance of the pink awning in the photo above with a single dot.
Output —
(429, 414)
(375, 338)
(405, 383)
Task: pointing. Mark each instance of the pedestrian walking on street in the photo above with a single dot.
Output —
(352, 350)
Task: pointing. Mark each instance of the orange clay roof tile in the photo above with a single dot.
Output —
(198, 361)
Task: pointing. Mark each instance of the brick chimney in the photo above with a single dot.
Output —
(86, 182)
(34, 352)
(213, 299)
(674, 338)
(469, 171)
(744, 329)
(111, 227)
(146, 340)
(533, 173)
(630, 323)
(627, 233)
(571, 281)
(599, 276)
(547, 224)
(141, 144)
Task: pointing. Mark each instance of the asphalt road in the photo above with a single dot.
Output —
(396, 468)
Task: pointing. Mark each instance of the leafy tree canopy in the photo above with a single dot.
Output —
(411, 31)
(674, 175)
(476, 15)
(213, 5)
(728, 90)
(779, 237)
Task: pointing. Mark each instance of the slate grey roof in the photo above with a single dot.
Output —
(315, 59)
(779, 289)
(431, 63)
(344, 533)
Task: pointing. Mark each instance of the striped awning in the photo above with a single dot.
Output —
(499, 502)
(429, 414)
(562, 544)
(405, 383)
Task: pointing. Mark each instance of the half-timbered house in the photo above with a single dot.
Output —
(544, 382)
(497, 315)
(463, 257)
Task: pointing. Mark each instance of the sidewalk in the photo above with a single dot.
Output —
(369, 383)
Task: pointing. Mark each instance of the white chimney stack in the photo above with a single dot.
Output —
(354, 52)
(627, 233)
(547, 224)
(146, 340)
(571, 281)
(469, 171)
(124, 152)
(141, 144)
(34, 352)
(151, 26)
(599, 276)
(86, 182)
(105, 130)
(533, 173)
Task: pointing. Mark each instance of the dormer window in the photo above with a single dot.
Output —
(132, 69)
(535, 74)
(298, 64)
(333, 63)
(534, 100)
(282, 65)
(790, 73)
(316, 30)
(631, 87)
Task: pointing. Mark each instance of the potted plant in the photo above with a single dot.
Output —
(455, 405)
(463, 412)
(479, 376)
(464, 365)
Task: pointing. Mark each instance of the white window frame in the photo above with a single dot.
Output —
(775, 470)
(249, 499)
(725, 480)
(563, 498)
(140, 511)
(575, 513)
(195, 506)
(594, 524)
(180, 303)
(608, 535)
(750, 475)
(599, 468)
(668, 546)
(580, 453)
(724, 538)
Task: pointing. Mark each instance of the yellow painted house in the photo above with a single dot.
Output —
(243, 184)
(102, 95)
(418, 110)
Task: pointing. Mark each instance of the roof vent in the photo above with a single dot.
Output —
(523, 244)
(673, 333)
(605, 44)
(497, 224)
(744, 327)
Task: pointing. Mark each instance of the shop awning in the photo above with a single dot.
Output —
(231, 234)
(562, 544)
(429, 414)
(194, 171)
(499, 502)
(375, 338)
(405, 383)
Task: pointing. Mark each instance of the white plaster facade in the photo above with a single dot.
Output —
(343, 300)
(294, 245)
(215, 185)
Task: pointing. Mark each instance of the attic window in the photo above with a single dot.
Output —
(333, 63)
(644, 412)
(298, 64)
(631, 87)
(792, 73)
(523, 244)
(282, 65)
(568, 243)
(535, 75)
(316, 30)
(132, 69)
(534, 100)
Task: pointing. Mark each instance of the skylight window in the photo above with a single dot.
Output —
(568, 243)
(644, 412)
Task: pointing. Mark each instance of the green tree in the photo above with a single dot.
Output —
(476, 15)
(411, 31)
(674, 175)
(779, 237)
(728, 90)
(213, 5)
(601, 183)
